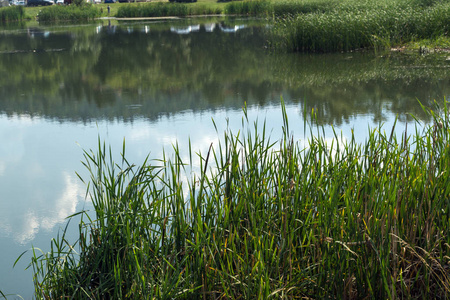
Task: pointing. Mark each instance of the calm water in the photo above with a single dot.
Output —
(154, 84)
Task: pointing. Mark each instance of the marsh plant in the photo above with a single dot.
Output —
(11, 13)
(352, 25)
(160, 9)
(83, 12)
(264, 219)
(329, 26)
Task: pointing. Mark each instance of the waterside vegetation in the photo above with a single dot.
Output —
(264, 219)
(328, 26)
(164, 10)
(310, 25)
(69, 13)
(11, 13)
(358, 25)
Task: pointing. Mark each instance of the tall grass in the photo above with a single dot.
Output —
(265, 219)
(353, 25)
(252, 8)
(164, 10)
(11, 13)
(68, 13)
(279, 8)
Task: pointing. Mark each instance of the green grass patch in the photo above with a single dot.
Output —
(263, 218)
(252, 8)
(165, 10)
(354, 25)
(437, 44)
(68, 13)
(324, 25)
(152, 10)
(11, 13)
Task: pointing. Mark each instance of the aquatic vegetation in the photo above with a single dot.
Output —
(264, 218)
(325, 26)
(11, 13)
(152, 10)
(354, 25)
(164, 10)
(68, 13)
(252, 8)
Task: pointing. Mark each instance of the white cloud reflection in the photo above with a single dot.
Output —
(23, 221)
(38, 189)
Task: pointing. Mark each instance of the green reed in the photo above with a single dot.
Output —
(153, 10)
(68, 13)
(352, 25)
(165, 10)
(11, 13)
(253, 8)
(264, 219)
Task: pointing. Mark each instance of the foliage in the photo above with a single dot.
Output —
(263, 219)
(253, 8)
(165, 10)
(183, 1)
(79, 2)
(11, 13)
(329, 26)
(355, 25)
(152, 10)
(68, 13)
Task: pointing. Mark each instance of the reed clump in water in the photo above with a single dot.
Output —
(11, 13)
(265, 219)
(322, 26)
(165, 10)
(69, 13)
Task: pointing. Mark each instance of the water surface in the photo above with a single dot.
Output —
(158, 83)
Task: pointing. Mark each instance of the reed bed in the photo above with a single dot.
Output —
(253, 8)
(68, 13)
(164, 10)
(264, 219)
(354, 25)
(11, 13)
(279, 8)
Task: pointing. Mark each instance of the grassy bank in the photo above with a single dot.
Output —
(265, 219)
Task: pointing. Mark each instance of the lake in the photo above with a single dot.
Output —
(154, 84)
